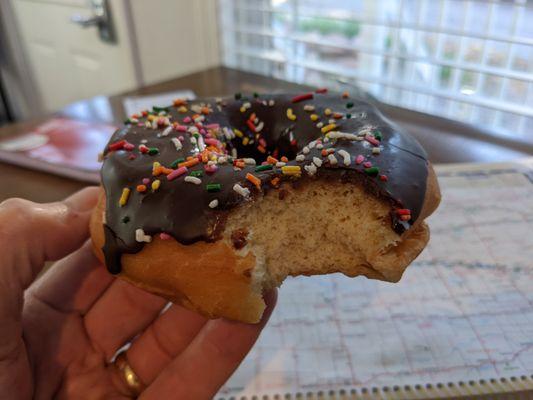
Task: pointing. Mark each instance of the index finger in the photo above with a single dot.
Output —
(211, 358)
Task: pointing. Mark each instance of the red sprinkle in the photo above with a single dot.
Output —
(321, 90)
(405, 217)
(383, 178)
(143, 149)
(302, 97)
(129, 146)
(359, 159)
(181, 128)
(251, 125)
(294, 142)
(117, 145)
(144, 113)
(403, 211)
(132, 157)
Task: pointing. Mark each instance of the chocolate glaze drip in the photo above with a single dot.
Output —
(182, 210)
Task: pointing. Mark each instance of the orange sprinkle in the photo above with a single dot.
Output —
(141, 188)
(179, 102)
(205, 156)
(239, 164)
(275, 181)
(252, 116)
(189, 163)
(405, 217)
(345, 95)
(165, 170)
(284, 159)
(261, 149)
(337, 115)
(324, 153)
(157, 171)
(204, 110)
(254, 179)
(271, 160)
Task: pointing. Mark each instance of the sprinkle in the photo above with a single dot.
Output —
(153, 151)
(254, 179)
(302, 97)
(311, 169)
(367, 164)
(349, 104)
(179, 102)
(345, 95)
(261, 149)
(238, 133)
(359, 159)
(126, 219)
(129, 146)
(265, 167)
(176, 143)
(291, 170)
(259, 126)
(213, 187)
(405, 217)
(175, 163)
(311, 145)
(193, 179)
(319, 124)
(376, 150)
(271, 160)
(187, 120)
(155, 185)
(332, 159)
(383, 178)
(117, 145)
(197, 173)
(300, 158)
(345, 155)
(290, 114)
(244, 192)
(372, 171)
(403, 211)
(124, 197)
(313, 117)
(178, 172)
(284, 159)
(238, 96)
(271, 102)
(342, 135)
(317, 161)
(327, 111)
(141, 188)
(140, 236)
(245, 106)
(321, 90)
(245, 141)
(305, 150)
(319, 145)
(189, 163)
(249, 161)
(213, 204)
(372, 140)
(182, 109)
(348, 115)
(377, 135)
(164, 236)
(309, 107)
(280, 164)
(328, 128)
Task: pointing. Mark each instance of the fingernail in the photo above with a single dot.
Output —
(84, 200)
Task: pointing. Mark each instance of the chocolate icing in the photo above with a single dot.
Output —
(182, 210)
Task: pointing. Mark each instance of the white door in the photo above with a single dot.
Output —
(70, 62)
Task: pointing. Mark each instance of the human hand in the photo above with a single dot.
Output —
(59, 333)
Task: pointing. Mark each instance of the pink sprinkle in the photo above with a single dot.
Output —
(181, 128)
(212, 126)
(161, 121)
(181, 138)
(368, 164)
(212, 142)
(263, 142)
(187, 120)
(211, 169)
(132, 157)
(164, 236)
(146, 181)
(129, 146)
(177, 172)
(140, 124)
(359, 159)
(372, 140)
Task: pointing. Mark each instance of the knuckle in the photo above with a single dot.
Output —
(15, 208)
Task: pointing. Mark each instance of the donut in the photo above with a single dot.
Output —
(210, 202)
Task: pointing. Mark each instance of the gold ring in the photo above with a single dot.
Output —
(128, 375)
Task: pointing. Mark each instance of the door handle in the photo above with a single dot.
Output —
(101, 18)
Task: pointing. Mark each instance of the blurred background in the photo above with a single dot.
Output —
(470, 61)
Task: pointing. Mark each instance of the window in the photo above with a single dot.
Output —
(466, 60)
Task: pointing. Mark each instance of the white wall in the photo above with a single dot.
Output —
(175, 37)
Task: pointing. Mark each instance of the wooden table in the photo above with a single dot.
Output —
(445, 141)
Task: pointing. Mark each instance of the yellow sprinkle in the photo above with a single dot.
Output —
(124, 197)
(327, 111)
(290, 115)
(182, 109)
(313, 117)
(243, 109)
(245, 141)
(327, 128)
(156, 168)
(155, 185)
(238, 133)
(291, 170)
(151, 117)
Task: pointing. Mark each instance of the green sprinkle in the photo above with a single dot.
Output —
(127, 121)
(176, 162)
(157, 109)
(256, 95)
(213, 187)
(153, 151)
(197, 173)
(265, 167)
(377, 135)
(349, 105)
(126, 219)
(348, 116)
(372, 171)
(196, 135)
(238, 96)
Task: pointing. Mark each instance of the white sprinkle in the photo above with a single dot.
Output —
(311, 169)
(271, 102)
(201, 143)
(161, 113)
(234, 153)
(219, 108)
(167, 130)
(260, 126)
(222, 160)
(376, 150)
(154, 124)
(312, 144)
(193, 140)
(244, 192)
(218, 100)
(342, 135)
(193, 129)
(305, 150)
(345, 155)
(320, 125)
(213, 204)
(249, 161)
(319, 145)
(246, 105)
(196, 108)
(211, 162)
(199, 118)
(193, 179)
(300, 158)
(309, 107)
(317, 161)
(143, 141)
(332, 159)
(134, 120)
(140, 236)
(280, 164)
(331, 121)
(176, 143)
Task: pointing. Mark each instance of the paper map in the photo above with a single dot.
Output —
(463, 311)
